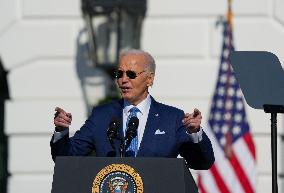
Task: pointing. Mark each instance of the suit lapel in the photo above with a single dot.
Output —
(117, 110)
(152, 124)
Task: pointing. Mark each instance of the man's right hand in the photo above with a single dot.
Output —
(62, 119)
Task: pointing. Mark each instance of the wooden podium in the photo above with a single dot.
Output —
(122, 175)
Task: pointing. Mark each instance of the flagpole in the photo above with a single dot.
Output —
(230, 13)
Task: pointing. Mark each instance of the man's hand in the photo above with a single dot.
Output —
(192, 121)
(62, 119)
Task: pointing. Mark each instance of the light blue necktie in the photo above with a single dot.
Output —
(133, 148)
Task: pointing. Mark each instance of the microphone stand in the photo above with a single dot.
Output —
(122, 147)
(129, 135)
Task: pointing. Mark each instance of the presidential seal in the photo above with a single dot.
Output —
(117, 178)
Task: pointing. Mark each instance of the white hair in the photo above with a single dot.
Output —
(151, 65)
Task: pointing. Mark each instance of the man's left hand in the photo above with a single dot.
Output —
(192, 121)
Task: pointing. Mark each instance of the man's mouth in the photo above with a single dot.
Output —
(124, 89)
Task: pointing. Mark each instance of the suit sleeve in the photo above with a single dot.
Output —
(199, 156)
(82, 143)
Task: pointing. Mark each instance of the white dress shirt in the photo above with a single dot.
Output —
(142, 115)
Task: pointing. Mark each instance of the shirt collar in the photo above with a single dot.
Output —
(143, 106)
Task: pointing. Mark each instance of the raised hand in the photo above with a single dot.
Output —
(62, 119)
(192, 121)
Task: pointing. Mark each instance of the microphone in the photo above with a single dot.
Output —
(131, 131)
(112, 131)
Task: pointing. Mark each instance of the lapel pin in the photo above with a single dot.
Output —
(157, 115)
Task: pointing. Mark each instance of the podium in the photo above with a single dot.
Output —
(121, 175)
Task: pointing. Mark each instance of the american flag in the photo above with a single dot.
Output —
(234, 170)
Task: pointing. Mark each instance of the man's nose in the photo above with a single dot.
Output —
(124, 77)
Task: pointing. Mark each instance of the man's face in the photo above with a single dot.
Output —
(134, 90)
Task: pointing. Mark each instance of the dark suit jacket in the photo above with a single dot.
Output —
(174, 141)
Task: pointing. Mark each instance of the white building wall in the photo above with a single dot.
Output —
(40, 44)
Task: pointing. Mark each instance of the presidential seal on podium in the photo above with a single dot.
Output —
(117, 178)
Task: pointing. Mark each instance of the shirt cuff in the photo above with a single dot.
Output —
(58, 135)
(195, 137)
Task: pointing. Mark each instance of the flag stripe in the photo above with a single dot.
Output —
(241, 174)
(250, 144)
(210, 186)
(223, 165)
(200, 186)
(243, 154)
(219, 180)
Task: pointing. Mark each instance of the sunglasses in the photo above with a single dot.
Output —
(129, 73)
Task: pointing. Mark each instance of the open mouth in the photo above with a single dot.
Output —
(124, 89)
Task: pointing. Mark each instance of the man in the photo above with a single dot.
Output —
(163, 131)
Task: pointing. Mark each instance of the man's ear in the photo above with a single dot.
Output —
(150, 79)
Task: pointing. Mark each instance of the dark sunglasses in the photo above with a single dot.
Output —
(129, 73)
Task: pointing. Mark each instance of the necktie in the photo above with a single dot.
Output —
(133, 148)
